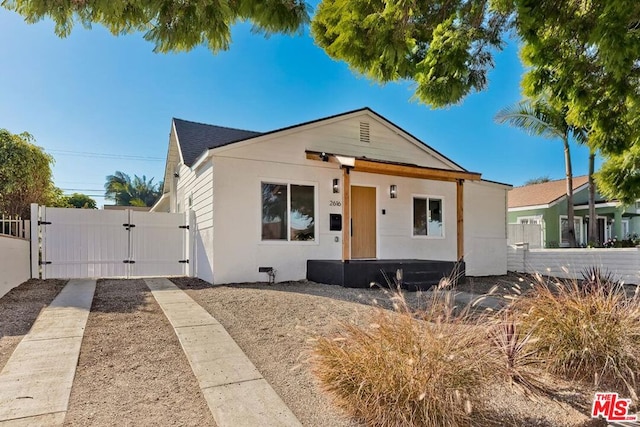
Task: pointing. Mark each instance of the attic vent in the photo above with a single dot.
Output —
(364, 132)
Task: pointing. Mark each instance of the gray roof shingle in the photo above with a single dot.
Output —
(195, 138)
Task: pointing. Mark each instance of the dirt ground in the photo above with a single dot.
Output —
(274, 324)
(19, 309)
(132, 370)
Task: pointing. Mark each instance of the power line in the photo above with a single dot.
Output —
(105, 155)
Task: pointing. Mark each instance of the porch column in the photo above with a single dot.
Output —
(617, 224)
(346, 215)
(460, 217)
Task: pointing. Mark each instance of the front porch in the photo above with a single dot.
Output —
(417, 274)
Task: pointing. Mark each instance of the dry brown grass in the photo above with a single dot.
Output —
(426, 367)
(585, 334)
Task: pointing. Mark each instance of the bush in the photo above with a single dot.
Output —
(403, 371)
(424, 367)
(585, 333)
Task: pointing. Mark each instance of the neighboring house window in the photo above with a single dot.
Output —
(288, 212)
(625, 229)
(427, 217)
(530, 220)
(564, 230)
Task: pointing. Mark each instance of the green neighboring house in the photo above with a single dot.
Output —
(546, 204)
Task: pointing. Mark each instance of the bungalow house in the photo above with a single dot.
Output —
(546, 204)
(333, 200)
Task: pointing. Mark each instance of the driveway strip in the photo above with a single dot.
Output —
(35, 384)
(234, 389)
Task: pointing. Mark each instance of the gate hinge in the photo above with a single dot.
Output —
(44, 262)
(184, 226)
(129, 226)
(184, 261)
(129, 261)
(44, 223)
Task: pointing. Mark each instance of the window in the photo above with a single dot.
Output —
(288, 212)
(625, 229)
(564, 230)
(427, 217)
(530, 220)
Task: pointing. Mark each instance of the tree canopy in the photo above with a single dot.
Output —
(445, 47)
(81, 201)
(132, 192)
(583, 55)
(172, 25)
(25, 175)
(538, 180)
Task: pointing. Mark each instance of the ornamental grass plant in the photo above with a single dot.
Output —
(585, 330)
(425, 367)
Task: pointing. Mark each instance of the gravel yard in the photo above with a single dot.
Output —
(19, 309)
(132, 370)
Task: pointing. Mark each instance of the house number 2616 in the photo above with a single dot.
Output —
(335, 203)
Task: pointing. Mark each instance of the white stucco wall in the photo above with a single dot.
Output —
(485, 222)
(226, 191)
(239, 171)
(15, 266)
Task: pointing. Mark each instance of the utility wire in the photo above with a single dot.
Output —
(105, 155)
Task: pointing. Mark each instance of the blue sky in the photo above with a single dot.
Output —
(100, 103)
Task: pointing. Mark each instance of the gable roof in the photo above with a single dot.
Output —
(544, 193)
(194, 138)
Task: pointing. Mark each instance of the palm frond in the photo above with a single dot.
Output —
(535, 119)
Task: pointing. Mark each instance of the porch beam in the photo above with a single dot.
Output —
(346, 215)
(394, 169)
(411, 171)
(460, 217)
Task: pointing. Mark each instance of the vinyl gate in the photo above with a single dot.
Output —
(79, 243)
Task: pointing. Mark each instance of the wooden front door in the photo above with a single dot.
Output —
(363, 216)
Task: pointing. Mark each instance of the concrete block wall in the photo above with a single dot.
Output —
(624, 263)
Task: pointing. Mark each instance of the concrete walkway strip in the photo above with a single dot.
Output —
(35, 384)
(234, 389)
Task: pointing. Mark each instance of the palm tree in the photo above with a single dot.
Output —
(127, 192)
(539, 118)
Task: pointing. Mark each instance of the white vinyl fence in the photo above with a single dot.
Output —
(80, 243)
(15, 226)
(533, 234)
(624, 263)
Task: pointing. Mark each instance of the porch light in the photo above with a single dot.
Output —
(336, 185)
(393, 191)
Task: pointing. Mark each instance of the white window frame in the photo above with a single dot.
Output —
(316, 206)
(531, 219)
(426, 197)
(625, 224)
(576, 226)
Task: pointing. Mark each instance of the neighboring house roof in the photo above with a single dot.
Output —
(195, 138)
(543, 194)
